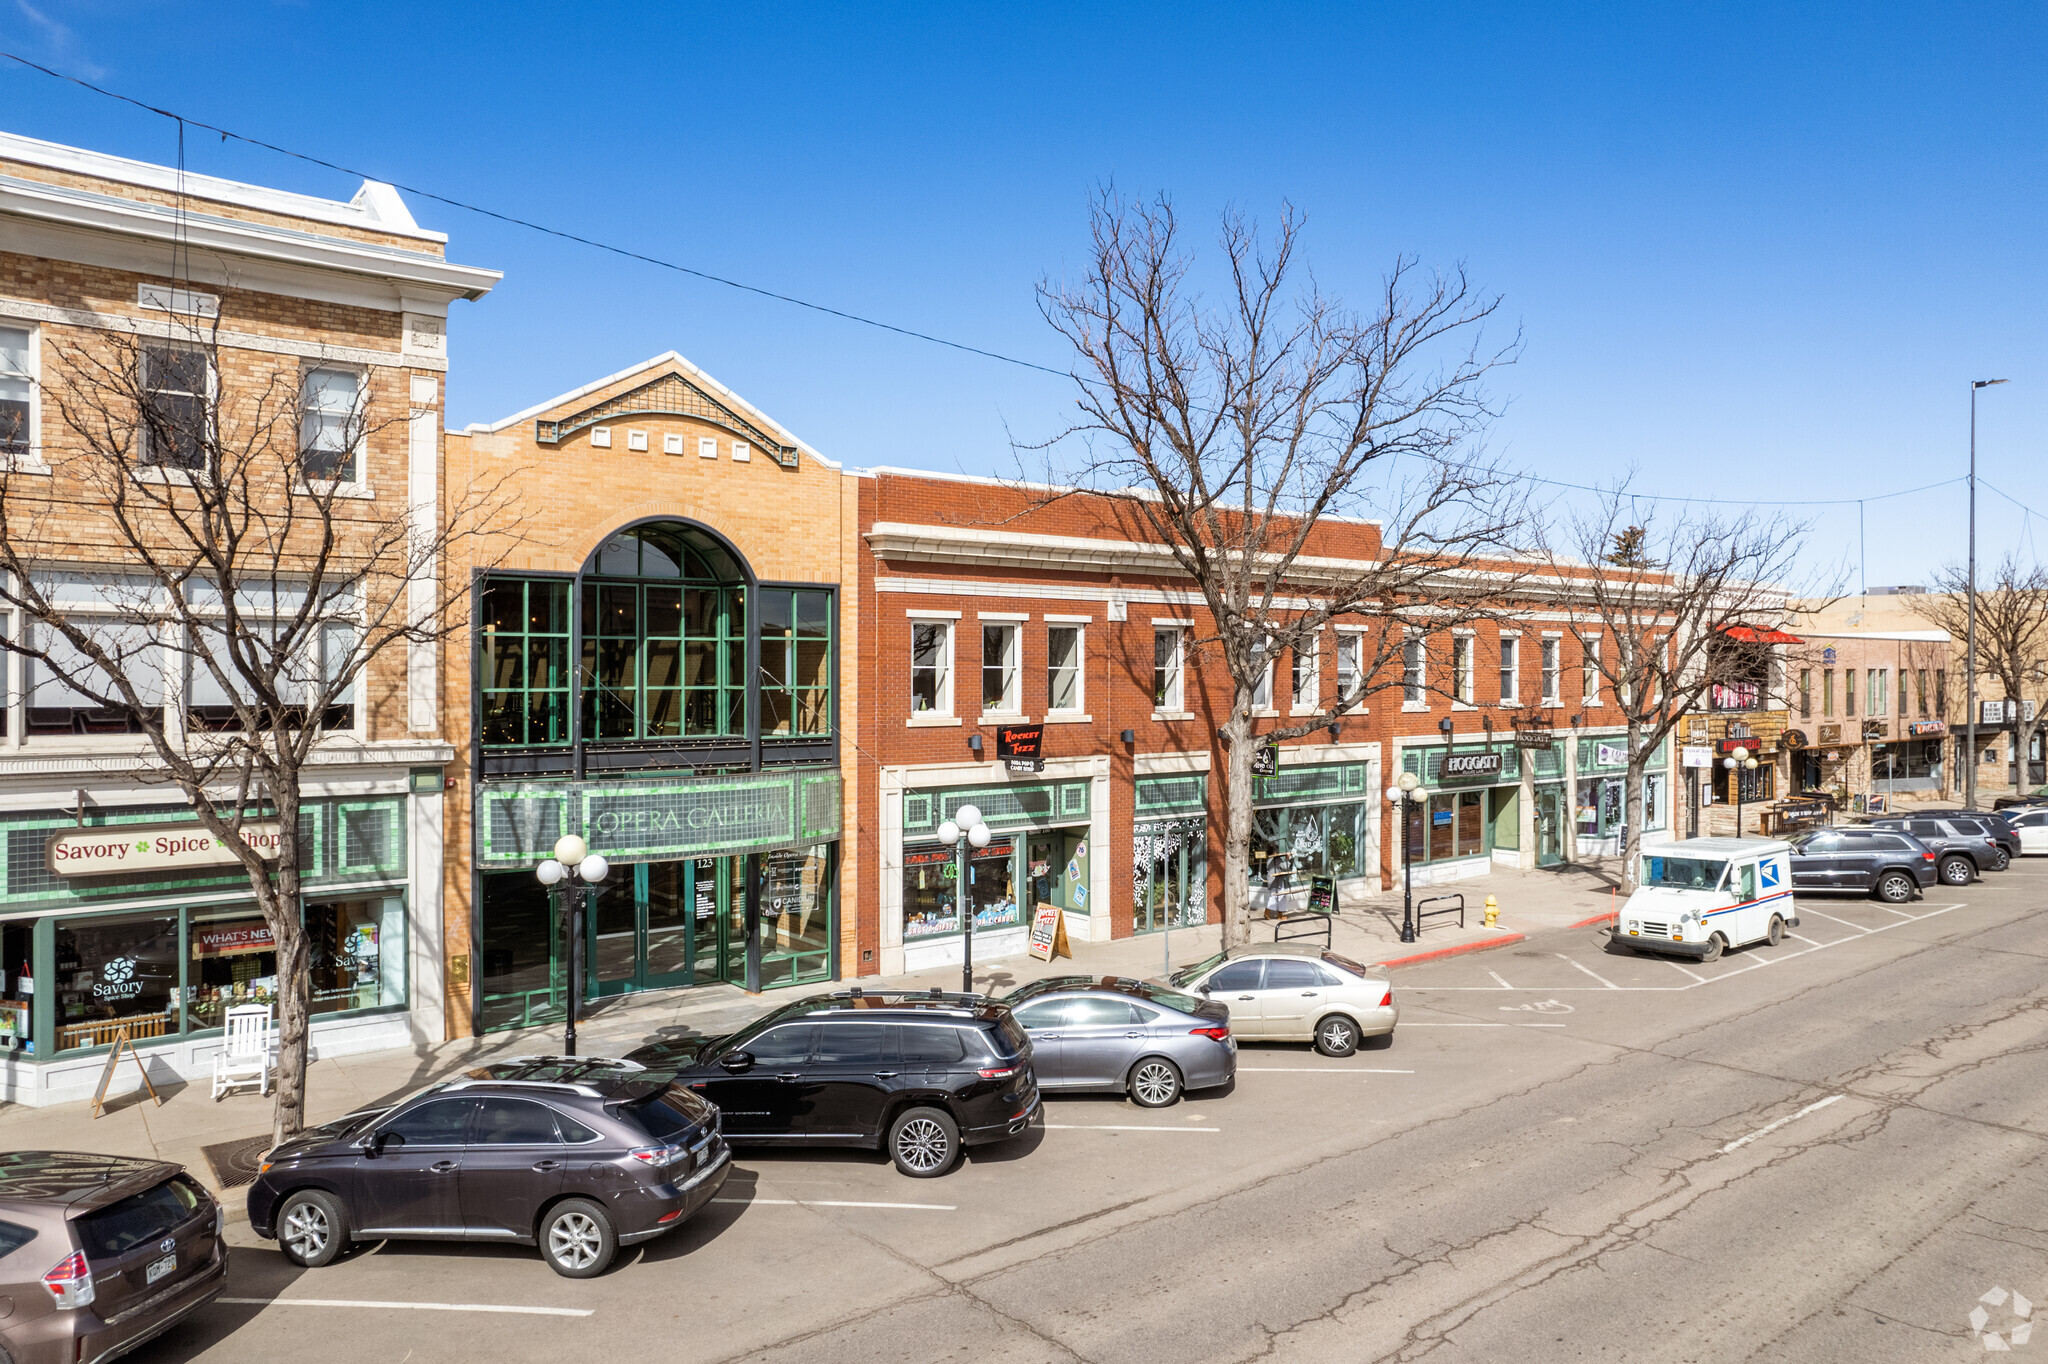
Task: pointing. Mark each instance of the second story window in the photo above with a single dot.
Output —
(796, 661)
(1590, 665)
(524, 661)
(1510, 670)
(17, 383)
(1550, 672)
(1166, 668)
(1411, 672)
(175, 387)
(1848, 691)
(1880, 691)
(1941, 693)
(1350, 668)
(1827, 693)
(931, 667)
(328, 426)
(1461, 669)
(1920, 690)
(1306, 685)
(1063, 668)
(999, 687)
(1805, 693)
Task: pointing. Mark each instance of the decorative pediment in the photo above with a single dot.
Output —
(671, 395)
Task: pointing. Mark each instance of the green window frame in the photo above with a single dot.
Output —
(798, 630)
(663, 660)
(523, 660)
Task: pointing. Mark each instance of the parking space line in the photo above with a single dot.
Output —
(1790, 934)
(838, 1203)
(1503, 984)
(1682, 971)
(1490, 1025)
(1317, 1070)
(411, 1306)
(1900, 912)
(1587, 969)
(1120, 1127)
(1846, 923)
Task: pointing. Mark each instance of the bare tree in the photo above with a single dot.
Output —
(1680, 605)
(1235, 435)
(2012, 641)
(197, 530)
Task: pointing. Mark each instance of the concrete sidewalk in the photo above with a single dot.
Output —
(190, 1119)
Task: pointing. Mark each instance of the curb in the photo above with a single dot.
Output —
(1459, 950)
(1609, 917)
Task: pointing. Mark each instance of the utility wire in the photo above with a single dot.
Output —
(629, 254)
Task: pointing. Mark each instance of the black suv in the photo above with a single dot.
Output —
(920, 1076)
(1894, 866)
(1986, 839)
(576, 1155)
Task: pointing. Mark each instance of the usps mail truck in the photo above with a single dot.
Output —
(1699, 897)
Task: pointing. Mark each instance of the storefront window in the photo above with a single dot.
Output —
(991, 889)
(796, 914)
(231, 961)
(1168, 866)
(356, 954)
(929, 908)
(113, 973)
(1294, 843)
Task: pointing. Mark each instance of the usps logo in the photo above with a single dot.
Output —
(1770, 871)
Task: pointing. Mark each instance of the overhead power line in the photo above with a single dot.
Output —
(628, 253)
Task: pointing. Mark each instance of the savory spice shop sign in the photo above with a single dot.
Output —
(133, 848)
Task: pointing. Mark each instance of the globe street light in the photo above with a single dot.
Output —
(1737, 763)
(960, 833)
(573, 858)
(1405, 795)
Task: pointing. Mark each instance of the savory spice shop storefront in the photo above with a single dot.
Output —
(732, 878)
(94, 946)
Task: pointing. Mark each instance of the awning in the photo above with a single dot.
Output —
(1750, 636)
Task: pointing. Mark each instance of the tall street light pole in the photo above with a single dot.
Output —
(1970, 649)
(1406, 795)
(960, 833)
(573, 858)
(1737, 763)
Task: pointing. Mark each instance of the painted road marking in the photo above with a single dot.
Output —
(1588, 970)
(410, 1306)
(1503, 984)
(1790, 934)
(1476, 1025)
(1846, 923)
(1682, 971)
(1790, 1117)
(838, 1203)
(1119, 1127)
(1316, 1070)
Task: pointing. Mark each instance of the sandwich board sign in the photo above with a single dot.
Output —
(1049, 933)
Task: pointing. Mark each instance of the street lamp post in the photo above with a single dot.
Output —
(1737, 763)
(960, 833)
(1970, 649)
(1407, 795)
(573, 858)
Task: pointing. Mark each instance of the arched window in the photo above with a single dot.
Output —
(664, 636)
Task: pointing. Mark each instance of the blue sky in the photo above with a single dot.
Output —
(1756, 252)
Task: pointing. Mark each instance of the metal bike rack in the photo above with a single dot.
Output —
(1310, 925)
(1422, 912)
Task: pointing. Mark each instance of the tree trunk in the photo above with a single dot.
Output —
(1237, 822)
(1632, 804)
(288, 933)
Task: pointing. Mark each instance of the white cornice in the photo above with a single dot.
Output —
(102, 229)
(138, 765)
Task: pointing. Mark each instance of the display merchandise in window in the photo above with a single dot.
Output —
(929, 905)
(112, 973)
(356, 954)
(991, 890)
(232, 961)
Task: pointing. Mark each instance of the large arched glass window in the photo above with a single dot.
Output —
(664, 637)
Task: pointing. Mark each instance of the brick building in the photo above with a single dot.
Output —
(224, 289)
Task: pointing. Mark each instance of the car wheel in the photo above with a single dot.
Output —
(577, 1239)
(1155, 1083)
(2000, 860)
(1716, 945)
(1336, 1036)
(924, 1142)
(1895, 888)
(1957, 871)
(312, 1229)
(1777, 931)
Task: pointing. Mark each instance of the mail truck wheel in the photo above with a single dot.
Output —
(312, 1228)
(1777, 933)
(1716, 945)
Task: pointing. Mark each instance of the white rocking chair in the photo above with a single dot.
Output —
(245, 1058)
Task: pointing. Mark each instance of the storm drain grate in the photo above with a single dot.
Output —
(235, 1163)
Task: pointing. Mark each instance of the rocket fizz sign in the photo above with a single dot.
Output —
(147, 848)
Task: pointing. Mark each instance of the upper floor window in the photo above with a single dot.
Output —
(1827, 693)
(1063, 668)
(999, 689)
(1262, 685)
(1848, 691)
(1589, 664)
(796, 661)
(524, 662)
(305, 670)
(176, 384)
(329, 435)
(1461, 669)
(1350, 667)
(1880, 691)
(1166, 667)
(1551, 695)
(1510, 670)
(1307, 682)
(664, 638)
(1411, 672)
(931, 667)
(1919, 691)
(17, 386)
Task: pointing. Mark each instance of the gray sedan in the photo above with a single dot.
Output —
(1122, 1035)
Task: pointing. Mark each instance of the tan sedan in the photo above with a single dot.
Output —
(1285, 992)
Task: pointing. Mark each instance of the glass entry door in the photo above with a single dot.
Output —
(1172, 882)
(1549, 825)
(656, 925)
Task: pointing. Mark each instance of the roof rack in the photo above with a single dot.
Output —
(560, 1085)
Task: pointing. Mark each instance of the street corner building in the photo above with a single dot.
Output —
(119, 916)
(654, 665)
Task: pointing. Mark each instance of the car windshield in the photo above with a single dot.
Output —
(1172, 999)
(1683, 873)
(1032, 989)
(1345, 964)
(1189, 973)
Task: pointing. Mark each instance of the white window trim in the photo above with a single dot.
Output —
(1001, 617)
(1589, 669)
(1508, 640)
(1421, 642)
(360, 451)
(1068, 620)
(32, 461)
(1173, 706)
(361, 492)
(1315, 679)
(1069, 714)
(943, 712)
(1470, 643)
(1014, 711)
(1355, 634)
(1553, 700)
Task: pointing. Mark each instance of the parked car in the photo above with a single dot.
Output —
(1962, 850)
(1294, 992)
(1893, 866)
(1124, 1036)
(575, 1155)
(101, 1253)
(1995, 826)
(2030, 826)
(919, 1076)
(2037, 796)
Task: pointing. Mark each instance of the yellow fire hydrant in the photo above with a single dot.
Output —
(1492, 912)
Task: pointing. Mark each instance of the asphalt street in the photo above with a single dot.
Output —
(1828, 1150)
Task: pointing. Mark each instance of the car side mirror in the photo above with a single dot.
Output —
(737, 1062)
(382, 1140)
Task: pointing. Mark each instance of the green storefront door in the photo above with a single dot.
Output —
(658, 924)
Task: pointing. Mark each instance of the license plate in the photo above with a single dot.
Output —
(159, 1268)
